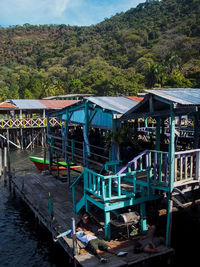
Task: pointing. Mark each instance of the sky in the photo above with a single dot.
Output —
(69, 12)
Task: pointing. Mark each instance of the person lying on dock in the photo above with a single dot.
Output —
(96, 245)
(149, 243)
(85, 223)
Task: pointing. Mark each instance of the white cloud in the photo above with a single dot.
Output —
(73, 12)
(58, 7)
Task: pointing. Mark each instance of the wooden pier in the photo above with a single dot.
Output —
(51, 202)
(152, 175)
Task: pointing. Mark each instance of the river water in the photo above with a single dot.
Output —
(24, 243)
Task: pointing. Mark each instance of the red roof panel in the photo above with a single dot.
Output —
(136, 98)
(57, 104)
(7, 105)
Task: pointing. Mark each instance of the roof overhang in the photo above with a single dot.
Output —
(158, 104)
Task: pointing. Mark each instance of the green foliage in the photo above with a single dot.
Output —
(154, 44)
(123, 135)
(178, 80)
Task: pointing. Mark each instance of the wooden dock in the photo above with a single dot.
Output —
(37, 190)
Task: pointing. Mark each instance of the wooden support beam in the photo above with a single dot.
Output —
(196, 132)
(107, 225)
(143, 221)
(171, 176)
(158, 120)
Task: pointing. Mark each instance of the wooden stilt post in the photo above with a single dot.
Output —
(74, 236)
(115, 146)
(143, 221)
(45, 158)
(145, 122)
(171, 176)
(1, 159)
(158, 134)
(8, 164)
(107, 225)
(85, 134)
(31, 139)
(162, 131)
(65, 133)
(8, 137)
(42, 138)
(21, 138)
(5, 165)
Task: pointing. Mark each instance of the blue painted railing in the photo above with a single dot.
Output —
(108, 187)
(150, 169)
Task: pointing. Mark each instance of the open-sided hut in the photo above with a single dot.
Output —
(172, 169)
(91, 118)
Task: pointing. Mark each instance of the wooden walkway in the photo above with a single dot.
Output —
(34, 189)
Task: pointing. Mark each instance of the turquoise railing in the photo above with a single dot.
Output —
(108, 188)
(148, 170)
(112, 165)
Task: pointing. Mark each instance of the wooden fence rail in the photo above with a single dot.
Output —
(28, 123)
(187, 165)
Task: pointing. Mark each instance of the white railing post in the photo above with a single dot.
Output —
(198, 165)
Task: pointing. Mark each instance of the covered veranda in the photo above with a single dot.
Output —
(175, 168)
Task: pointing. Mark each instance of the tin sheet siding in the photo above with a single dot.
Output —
(78, 116)
(102, 120)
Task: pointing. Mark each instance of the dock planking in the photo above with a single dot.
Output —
(35, 189)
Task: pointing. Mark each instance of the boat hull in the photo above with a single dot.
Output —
(41, 166)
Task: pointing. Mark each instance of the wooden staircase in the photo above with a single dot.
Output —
(133, 184)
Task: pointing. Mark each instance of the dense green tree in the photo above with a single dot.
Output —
(154, 44)
(178, 80)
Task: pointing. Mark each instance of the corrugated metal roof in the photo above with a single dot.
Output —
(57, 104)
(27, 104)
(66, 96)
(183, 96)
(118, 104)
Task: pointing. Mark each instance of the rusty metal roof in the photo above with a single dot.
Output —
(7, 106)
(136, 98)
(40, 104)
(57, 104)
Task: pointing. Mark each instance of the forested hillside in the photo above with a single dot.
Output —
(156, 44)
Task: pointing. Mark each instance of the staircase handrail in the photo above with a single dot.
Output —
(131, 162)
(77, 179)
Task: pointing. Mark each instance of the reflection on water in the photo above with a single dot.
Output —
(22, 241)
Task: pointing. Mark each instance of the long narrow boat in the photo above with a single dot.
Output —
(39, 163)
